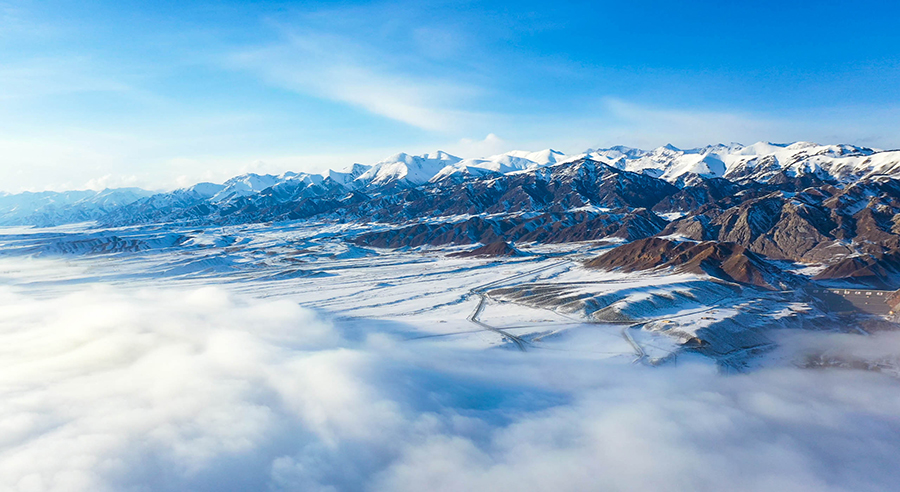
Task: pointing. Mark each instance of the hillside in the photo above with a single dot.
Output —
(836, 205)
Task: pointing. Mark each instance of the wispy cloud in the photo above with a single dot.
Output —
(349, 66)
(77, 104)
(38, 77)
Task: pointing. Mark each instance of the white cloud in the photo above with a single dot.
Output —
(679, 430)
(129, 387)
(95, 383)
(490, 145)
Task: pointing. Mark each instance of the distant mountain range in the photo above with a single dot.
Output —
(801, 202)
(49, 208)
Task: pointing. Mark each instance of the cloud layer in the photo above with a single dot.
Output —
(167, 389)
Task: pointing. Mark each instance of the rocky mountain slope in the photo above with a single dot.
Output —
(727, 261)
(837, 205)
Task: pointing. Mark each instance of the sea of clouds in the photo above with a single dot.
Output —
(110, 388)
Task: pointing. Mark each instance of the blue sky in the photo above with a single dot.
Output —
(163, 94)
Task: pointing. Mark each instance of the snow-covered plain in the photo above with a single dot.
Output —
(265, 357)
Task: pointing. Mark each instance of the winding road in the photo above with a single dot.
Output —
(521, 343)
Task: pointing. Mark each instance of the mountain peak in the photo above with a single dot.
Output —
(759, 162)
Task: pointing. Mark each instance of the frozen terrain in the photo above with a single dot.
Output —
(283, 357)
(542, 299)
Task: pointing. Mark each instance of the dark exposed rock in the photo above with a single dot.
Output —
(799, 229)
(544, 228)
(792, 226)
(728, 261)
(645, 254)
(695, 192)
(871, 270)
(499, 248)
(695, 227)
(747, 222)
(474, 230)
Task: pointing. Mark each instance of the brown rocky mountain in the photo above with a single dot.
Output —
(727, 261)
(497, 249)
(696, 191)
(876, 270)
(814, 225)
(772, 221)
(556, 189)
(545, 228)
(809, 217)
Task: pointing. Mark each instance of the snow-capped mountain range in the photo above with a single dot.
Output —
(760, 162)
(835, 205)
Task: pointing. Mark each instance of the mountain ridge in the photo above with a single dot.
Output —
(759, 162)
(836, 205)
